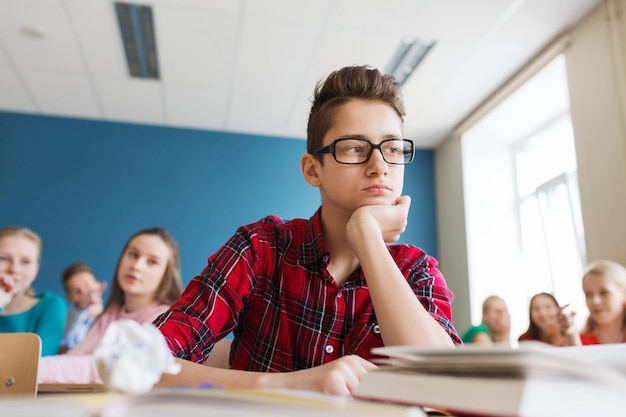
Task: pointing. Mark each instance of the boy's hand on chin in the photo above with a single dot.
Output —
(390, 220)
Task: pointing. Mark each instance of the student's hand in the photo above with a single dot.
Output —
(568, 327)
(7, 284)
(566, 321)
(339, 377)
(95, 299)
(390, 220)
(95, 295)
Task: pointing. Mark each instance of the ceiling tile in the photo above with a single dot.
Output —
(14, 96)
(231, 6)
(294, 10)
(4, 60)
(98, 36)
(204, 108)
(274, 63)
(131, 100)
(62, 94)
(57, 50)
(375, 16)
(340, 47)
(260, 114)
(196, 47)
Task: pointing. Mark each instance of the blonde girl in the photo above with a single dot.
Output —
(22, 309)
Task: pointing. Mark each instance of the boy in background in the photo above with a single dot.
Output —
(84, 293)
(495, 326)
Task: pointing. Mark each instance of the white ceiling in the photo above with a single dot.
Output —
(249, 66)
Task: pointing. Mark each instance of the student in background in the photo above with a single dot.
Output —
(308, 299)
(604, 285)
(23, 309)
(495, 326)
(84, 294)
(146, 282)
(544, 325)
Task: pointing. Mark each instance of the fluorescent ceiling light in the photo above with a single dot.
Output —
(137, 29)
(408, 56)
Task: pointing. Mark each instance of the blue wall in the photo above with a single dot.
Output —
(85, 186)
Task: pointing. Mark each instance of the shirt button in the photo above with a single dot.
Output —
(376, 329)
(325, 258)
(329, 349)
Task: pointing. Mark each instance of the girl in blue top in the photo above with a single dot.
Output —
(21, 310)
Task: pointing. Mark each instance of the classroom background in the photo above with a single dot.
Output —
(86, 186)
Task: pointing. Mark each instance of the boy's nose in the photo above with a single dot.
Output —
(377, 163)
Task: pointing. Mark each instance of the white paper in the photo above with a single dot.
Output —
(131, 357)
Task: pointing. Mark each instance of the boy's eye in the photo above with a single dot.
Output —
(353, 149)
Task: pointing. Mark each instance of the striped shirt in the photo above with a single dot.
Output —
(269, 285)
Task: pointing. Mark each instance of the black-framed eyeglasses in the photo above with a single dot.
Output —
(359, 151)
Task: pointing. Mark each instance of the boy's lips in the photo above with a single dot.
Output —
(378, 189)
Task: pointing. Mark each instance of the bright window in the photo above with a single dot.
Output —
(523, 223)
(551, 228)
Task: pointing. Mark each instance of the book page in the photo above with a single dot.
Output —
(604, 363)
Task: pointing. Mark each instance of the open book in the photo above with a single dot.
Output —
(534, 380)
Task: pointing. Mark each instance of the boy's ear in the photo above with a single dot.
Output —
(310, 165)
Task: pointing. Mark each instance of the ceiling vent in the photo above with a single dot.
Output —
(409, 55)
(137, 29)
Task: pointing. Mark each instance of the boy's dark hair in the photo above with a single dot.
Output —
(341, 86)
(72, 270)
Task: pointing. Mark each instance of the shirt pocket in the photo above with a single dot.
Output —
(364, 336)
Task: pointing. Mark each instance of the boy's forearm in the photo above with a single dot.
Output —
(338, 377)
(194, 374)
(403, 320)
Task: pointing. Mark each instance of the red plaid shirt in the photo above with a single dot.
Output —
(269, 285)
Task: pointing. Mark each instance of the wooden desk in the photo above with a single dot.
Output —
(201, 403)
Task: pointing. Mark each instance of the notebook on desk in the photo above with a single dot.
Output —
(69, 388)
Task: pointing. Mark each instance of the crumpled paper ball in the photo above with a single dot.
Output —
(131, 357)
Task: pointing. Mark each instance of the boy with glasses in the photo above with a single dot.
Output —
(307, 300)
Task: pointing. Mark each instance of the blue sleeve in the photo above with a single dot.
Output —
(50, 322)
